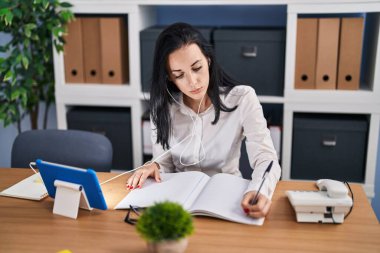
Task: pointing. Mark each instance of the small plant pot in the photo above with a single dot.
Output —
(168, 246)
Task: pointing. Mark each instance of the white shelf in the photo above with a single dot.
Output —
(116, 4)
(359, 97)
(262, 99)
(97, 91)
(328, 7)
(141, 14)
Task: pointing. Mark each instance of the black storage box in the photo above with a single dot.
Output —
(115, 123)
(148, 39)
(255, 57)
(329, 146)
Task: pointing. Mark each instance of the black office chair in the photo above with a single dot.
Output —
(70, 147)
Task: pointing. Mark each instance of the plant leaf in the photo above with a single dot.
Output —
(26, 42)
(66, 5)
(8, 76)
(67, 15)
(15, 94)
(13, 82)
(45, 4)
(27, 32)
(25, 62)
(35, 37)
(18, 59)
(8, 18)
(58, 31)
(4, 11)
(31, 26)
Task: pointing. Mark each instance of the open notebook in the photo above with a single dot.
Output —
(32, 188)
(218, 196)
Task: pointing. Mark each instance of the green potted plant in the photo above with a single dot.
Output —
(165, 226)
(26, 69)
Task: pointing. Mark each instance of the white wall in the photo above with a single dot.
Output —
(8, 134)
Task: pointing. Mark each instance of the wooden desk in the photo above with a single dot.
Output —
(30, 226)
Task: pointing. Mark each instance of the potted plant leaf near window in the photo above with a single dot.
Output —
(165, 226)
(34, 27)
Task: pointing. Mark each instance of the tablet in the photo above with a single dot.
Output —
(85, 177)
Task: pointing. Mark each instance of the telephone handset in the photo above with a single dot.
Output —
(328, 205)
(335, 189)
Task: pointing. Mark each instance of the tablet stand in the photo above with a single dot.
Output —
(68, 198)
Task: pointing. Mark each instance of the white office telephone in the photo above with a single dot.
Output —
(328, 205)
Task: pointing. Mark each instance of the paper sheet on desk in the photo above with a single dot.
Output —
(32, 188)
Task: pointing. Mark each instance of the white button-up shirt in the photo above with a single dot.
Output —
(198, 145)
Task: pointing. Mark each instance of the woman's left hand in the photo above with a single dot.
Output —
(259, 209)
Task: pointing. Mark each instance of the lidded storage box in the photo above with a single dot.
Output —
(255, 57)
(114, 123)
(329, 146)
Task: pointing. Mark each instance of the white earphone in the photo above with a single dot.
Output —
(192, 135)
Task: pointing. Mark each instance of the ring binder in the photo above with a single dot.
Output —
(327, 53)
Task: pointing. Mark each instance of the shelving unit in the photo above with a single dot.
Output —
(332, 101)
(142, 14)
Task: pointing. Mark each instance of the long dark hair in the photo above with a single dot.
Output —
(172, 38)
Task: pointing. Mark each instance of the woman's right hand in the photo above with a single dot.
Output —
(139, 177)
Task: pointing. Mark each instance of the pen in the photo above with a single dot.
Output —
(254, 200)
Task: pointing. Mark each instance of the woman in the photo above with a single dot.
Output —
(200, 116)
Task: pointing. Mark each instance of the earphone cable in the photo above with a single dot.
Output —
(193, 134)
(164, 153)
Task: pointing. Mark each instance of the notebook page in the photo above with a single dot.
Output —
(222, 197)
(176, 187)
(31, 188)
